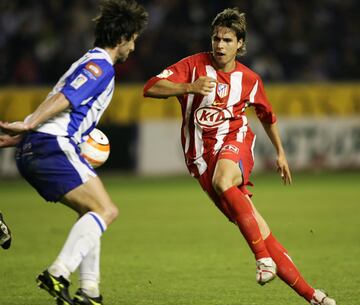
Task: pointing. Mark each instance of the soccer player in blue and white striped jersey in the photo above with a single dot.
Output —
(48, 155)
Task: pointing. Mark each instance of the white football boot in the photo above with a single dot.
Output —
(321, 298)
(265, 270)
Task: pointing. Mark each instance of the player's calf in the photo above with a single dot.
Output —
(5, 234)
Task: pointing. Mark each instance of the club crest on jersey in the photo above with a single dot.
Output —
(211, 117)
(222, 90)
(93, 68)
(165, 74)
(79, 81)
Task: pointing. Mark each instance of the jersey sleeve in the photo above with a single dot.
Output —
(88, 80)
(261, 103)
(176, 73)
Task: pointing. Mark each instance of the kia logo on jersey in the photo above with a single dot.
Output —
(211, 117)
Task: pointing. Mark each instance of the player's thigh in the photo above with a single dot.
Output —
(240, 153)
(52, 164)
(233, 166)
(227, 171)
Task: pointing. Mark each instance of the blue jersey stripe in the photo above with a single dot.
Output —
(89, 86)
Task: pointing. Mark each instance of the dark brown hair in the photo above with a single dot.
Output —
(119, 20)
(233, 19)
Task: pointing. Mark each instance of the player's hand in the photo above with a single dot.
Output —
(9, 141)
(204, 85)
(14, 128)
(283, 169)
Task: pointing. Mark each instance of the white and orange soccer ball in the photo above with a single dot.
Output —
(96, 148)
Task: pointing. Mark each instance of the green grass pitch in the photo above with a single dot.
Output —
(170, 245)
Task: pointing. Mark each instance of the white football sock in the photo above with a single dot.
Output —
(90, 272)
(83, 237)
(59, 269)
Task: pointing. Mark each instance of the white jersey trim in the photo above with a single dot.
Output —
(189, 104)
(240, 137)
(253, 92)
(88, 119)
(199, 143)
(59, 124)
(234, 97)
(84, 172)
(253, 147)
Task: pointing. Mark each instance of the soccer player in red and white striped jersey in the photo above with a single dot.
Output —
(214, 90)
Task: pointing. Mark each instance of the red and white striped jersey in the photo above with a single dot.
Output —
(211, 121)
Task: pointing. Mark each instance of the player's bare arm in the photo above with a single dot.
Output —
(165, 88)
(46, 110)
(14, 128)
(9, 141)
(282, 164)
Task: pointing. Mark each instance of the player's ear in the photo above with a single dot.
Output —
(122, 41)
(240, 43)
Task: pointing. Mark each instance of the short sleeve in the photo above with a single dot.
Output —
(261, 103)
(177, 73)
(88, 80)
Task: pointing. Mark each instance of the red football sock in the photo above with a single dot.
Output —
(242, 213)
(286, 269)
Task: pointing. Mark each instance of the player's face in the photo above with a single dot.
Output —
(224, 47)
(125, 48)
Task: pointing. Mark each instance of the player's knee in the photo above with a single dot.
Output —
(221, 183)
(115, 212)
(108, 211)
(111, 212)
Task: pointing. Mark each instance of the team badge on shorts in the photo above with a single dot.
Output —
(230, 148)
(222, 90)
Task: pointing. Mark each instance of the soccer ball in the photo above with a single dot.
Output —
(96, 148)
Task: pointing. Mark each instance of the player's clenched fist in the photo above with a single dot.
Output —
(203, 85)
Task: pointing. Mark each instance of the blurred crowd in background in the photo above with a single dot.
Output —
(288, 40)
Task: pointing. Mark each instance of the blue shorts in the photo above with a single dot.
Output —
(52, 164)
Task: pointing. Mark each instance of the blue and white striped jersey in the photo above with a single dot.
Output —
(89, 86)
